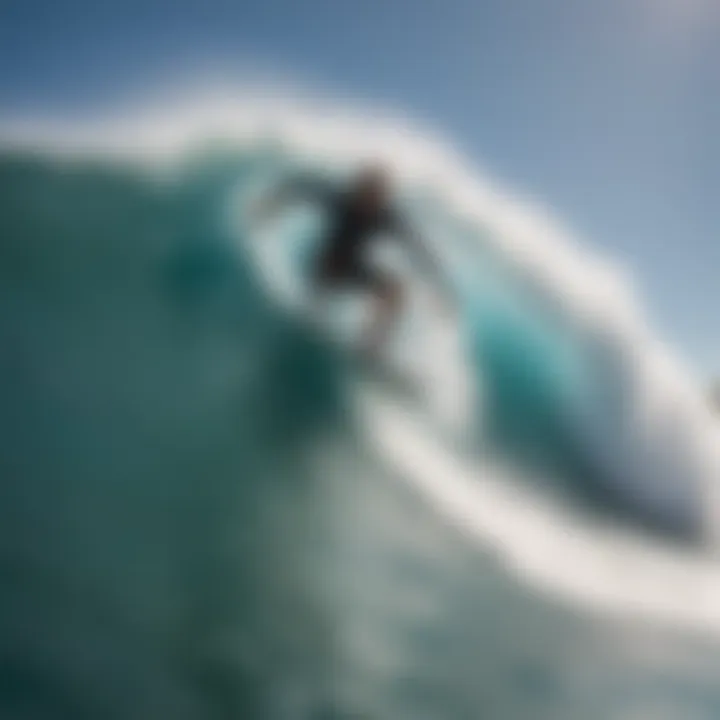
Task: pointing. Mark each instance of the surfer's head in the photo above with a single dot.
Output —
(371, 186)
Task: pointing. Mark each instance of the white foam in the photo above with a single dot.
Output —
(599, 567)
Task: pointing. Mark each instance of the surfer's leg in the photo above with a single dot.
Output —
(387, 299)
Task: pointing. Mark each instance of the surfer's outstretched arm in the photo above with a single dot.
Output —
(298, 188)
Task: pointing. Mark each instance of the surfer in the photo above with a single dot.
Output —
(357, 216)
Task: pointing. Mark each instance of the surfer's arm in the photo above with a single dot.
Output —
(300, 188)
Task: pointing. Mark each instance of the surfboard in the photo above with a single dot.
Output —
(378, 369)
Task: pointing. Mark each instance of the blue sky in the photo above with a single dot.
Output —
(606, 110)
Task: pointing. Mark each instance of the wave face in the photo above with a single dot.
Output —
(203, 514)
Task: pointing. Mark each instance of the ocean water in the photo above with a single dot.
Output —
(206, 511)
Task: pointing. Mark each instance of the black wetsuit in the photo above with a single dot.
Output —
(342, 260)
(343, 257)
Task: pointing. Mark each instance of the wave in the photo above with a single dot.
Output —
(571, 366)
(156, 381)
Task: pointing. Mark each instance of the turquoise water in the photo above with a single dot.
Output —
(195, 522)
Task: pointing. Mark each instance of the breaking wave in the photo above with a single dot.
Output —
(203, 512)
